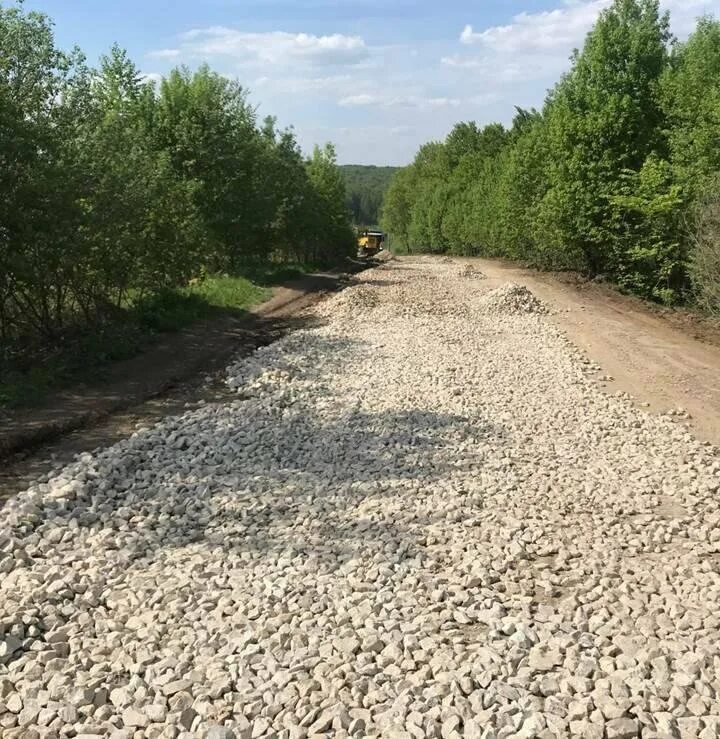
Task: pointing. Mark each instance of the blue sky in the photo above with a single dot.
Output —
(376, 78)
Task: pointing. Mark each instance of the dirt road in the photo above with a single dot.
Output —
(659, 364)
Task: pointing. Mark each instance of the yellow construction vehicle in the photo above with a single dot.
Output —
(370, 242)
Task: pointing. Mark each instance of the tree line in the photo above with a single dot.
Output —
(616, 175)
(365, 188)
(113, 187)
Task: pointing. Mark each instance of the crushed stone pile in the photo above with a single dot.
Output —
(420, 525)
(357, 297)
(472, 272)
(512, 299)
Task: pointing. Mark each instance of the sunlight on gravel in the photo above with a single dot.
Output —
(420, 518)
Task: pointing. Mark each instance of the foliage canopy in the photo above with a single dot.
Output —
(113, 189)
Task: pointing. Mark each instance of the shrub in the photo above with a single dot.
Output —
(705, 258)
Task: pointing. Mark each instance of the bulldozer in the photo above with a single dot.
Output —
(370, 242)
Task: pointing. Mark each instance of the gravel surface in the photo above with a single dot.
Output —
(471, 271)
(421, 518)
(511, 299)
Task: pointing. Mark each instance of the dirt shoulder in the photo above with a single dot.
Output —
(176, 372)
(666, 360)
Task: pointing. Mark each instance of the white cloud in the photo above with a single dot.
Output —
(164, 54)
(358, 101)
(561, 28)
(328, 86)
(398, 101)
(501, 69)
(275, 47)
(535, 46)
(153, 77)
(442, 102)
(684, 13)
(463, 62)
(468, 35)
(566, 27)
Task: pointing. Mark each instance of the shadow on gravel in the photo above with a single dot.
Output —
(272, 474)
(380, 283)
(320, 490)
(167, 393)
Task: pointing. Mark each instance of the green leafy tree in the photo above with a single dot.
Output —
(140, 229)
(112, 191)
(523, 183)
(206, 125)
(691, 94)
(604, 118)
(705, 258)
(331, 230)
(648, 211)
(467, 139)
(288, 193)
(365, 188)
(617, 175)
(38, 214)
(432, 169)
(397, 207)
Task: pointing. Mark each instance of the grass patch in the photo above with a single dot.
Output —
(276, 274)
(172, 310)
(29, 373)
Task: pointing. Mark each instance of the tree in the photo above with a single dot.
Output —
(604, 118)
(366, 187)
(602, 180)
(140, 229)
(466, 139)
(38, 217)
(397, 205)
(432, 169)
(287, 190)
(331, 228)
(111, 190)
(691, 97)
(523, 183)
(208, 128)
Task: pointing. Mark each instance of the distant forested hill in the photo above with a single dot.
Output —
(366, 188)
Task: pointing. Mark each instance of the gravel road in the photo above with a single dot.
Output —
(421, 517)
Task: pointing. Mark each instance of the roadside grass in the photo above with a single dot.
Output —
(28, 373)
(276, 274)
(173, 310)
